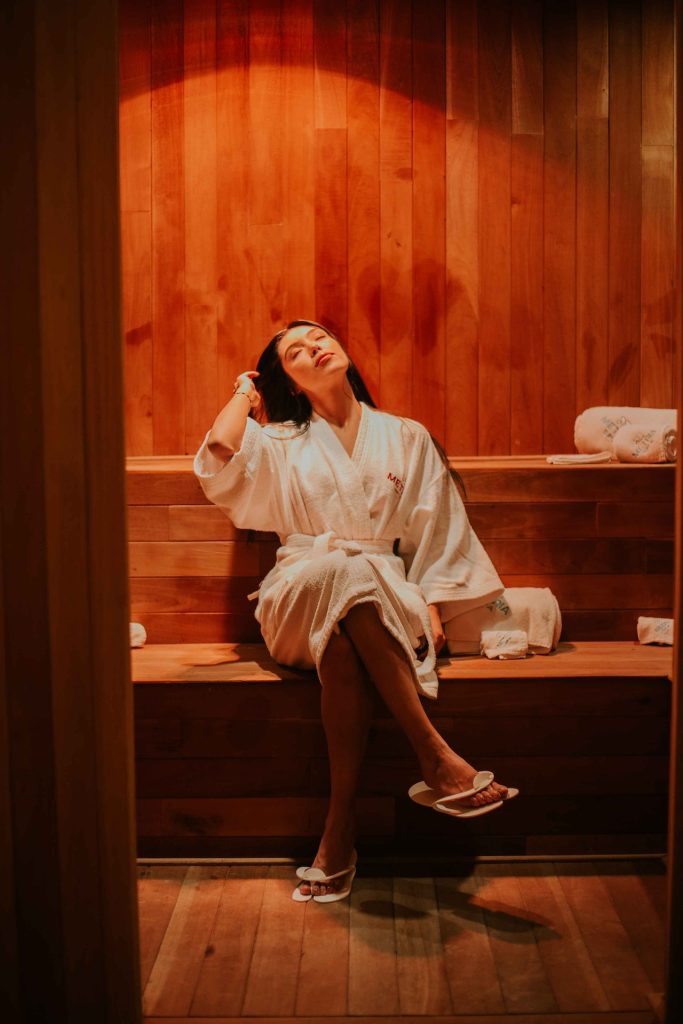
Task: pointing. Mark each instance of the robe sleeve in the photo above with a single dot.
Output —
(246, 486)
(441, 551)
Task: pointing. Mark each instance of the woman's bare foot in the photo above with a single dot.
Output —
(334, 854)
(446, 772)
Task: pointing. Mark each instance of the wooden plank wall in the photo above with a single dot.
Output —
(478, 197)
(601, 537)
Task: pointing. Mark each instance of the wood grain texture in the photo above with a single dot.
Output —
(454, 190)
(494, 59)
(559, 227)
(625, 73)
(429, 195)
(462, 229)
(363, 155)
(657, 277)
(168, 228)
(185, 663)
(455, 926)
(201, 221)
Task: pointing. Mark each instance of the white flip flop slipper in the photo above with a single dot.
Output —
(315, 875)
(421, 793)
(309, 874)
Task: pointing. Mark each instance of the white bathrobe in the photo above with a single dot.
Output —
(338, 517)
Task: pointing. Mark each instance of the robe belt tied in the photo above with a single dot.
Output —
(305, 546)
(329, 541)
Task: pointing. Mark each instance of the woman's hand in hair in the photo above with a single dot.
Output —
(244, 385)
(437, 627)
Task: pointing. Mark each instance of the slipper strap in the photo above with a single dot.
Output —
(316, 875)
(481, 781)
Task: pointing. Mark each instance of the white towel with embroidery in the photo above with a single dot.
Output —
(635, 443)
(532, 609)
(655, 631)
(504, 643)
(595, 428)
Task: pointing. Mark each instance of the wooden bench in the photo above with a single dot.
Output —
(231, 755)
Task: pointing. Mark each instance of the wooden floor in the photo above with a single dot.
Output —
(545, 942)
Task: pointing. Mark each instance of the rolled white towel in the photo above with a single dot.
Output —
(595, 428)
(138, 634)
(634, 443)
(655, 631)
(504, 643)
(532, 609)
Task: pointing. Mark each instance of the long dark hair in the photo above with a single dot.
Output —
(281, 403)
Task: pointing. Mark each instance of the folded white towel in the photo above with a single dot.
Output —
(138, 634)
(504, 643)
(578, 459)
(655, 631)
(634, 443)
(532, 609)
(595, 428)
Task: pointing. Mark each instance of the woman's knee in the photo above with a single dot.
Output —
(339, 648)
(340, 659)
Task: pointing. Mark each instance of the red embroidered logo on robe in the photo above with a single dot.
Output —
(398, 483)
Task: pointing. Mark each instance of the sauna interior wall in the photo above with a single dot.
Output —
(477, 196)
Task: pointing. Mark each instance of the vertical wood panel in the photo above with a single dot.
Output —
(201, 313)
(495, 89)
(429, 203)
(168, 216)
(559, 311)
(462, 229)
(266, 147)
(236, 347)
(364, 208)
(331, 245)
(526, 295)
(526, 265)
(592, 205)
(299, 170)
(331, 194)
(527, 68)
(657, 278)
(625, 200)
(396, 210)
(658, 73)
(135, 184)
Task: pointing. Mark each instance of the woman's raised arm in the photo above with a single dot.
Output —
(225, 437)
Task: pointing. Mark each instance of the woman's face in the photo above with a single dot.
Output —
(312, 358)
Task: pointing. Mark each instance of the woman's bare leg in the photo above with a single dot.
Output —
(386, 664)
(346, 703)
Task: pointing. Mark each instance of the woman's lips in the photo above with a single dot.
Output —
(325, 355)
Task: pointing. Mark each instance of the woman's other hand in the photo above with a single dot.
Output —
(437, 628)
(244, 385)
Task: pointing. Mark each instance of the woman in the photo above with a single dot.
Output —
(376, 554)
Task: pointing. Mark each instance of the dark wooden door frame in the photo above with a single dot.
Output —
(68, 912)
(674, 980)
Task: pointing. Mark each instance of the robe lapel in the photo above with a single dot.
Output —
(346, 470)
